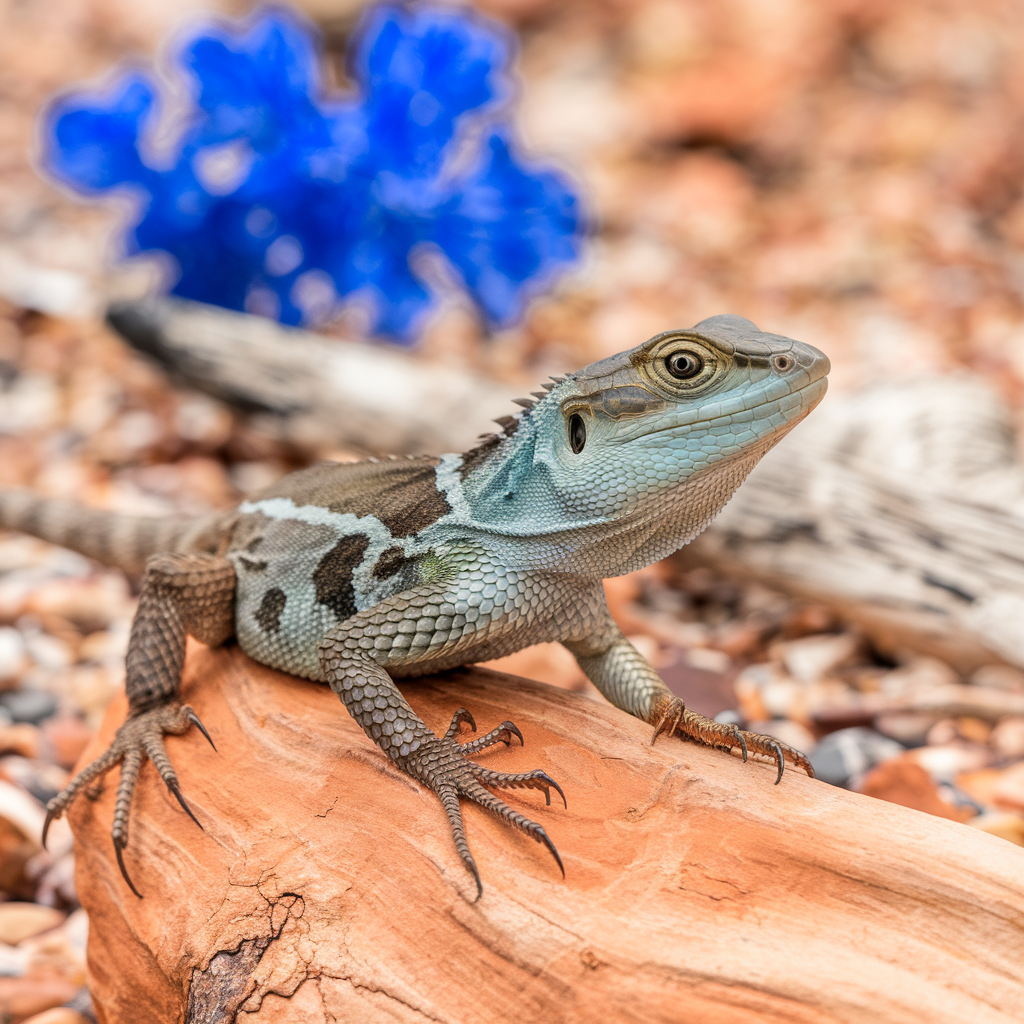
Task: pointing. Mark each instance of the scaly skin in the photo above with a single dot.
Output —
(359, 574)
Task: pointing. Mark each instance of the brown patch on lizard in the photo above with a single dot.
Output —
(389, 563)
(268, 615)
(333, 576)
(402, 493)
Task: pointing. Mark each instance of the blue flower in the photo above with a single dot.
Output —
(272, 181)
(95, 146)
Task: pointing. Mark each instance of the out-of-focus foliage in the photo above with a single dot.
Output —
(279, 199)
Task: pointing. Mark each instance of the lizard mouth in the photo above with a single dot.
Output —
(813, 392)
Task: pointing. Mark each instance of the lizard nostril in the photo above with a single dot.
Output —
(783, 363)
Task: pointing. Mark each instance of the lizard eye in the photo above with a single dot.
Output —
(684, 365)
(577, 433)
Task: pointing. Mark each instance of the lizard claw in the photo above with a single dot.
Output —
(673, 716)
(442, 764)
(51, 815)
(140, 737)
(124, 872)
(173, 786)
(194, 719)
(781, 759)
(460, 716)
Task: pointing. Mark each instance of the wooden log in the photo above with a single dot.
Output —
(325, 885)
(901, 506)
(315, 392)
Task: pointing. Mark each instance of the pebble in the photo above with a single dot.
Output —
(21, 810)
(842, 757)
(948, 730)
(23, 998)
(792, 733)
(49, 652)
(1001, 677)
(58, 1015)
(91, 689)
(57, 952)
(28, 705)
(919, 674)
(16, 851)
(705, 658)
(13, 961)
(55, 885)
(1008, 737)
(741, 639)
(907, 727)
(748, 686)
(20, 921)
(1007, 825)
(20, 739)
(13, 655)
(89, 605)
(813, 657)
(41, 778)
(904, 782)
(980, 785)
(778, 696)
(945, 763)
(810, 618)
(1008, 792)
(65, 737)
(831, 704)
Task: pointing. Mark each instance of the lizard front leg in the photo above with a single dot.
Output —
(411, 627)
(628, 680)
(181, 594)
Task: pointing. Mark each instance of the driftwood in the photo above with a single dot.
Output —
(319, 392)
(902, 506)
(325, 885)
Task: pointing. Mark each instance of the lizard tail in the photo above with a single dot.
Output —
(123, 541)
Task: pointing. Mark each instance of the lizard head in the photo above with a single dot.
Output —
(629, 458)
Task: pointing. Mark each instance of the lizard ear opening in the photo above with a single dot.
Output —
(577, 433)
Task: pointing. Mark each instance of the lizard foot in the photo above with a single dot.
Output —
(672, 716)
(141, 736)
(442, 764)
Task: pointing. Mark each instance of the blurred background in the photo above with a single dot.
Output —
(845, 172)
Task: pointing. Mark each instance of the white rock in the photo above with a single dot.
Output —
(789, 732)
(708, 659)
(1008, 737)
(20, 921)
(13, 655)
(812, 657)
(945, 763)
(1000, 677)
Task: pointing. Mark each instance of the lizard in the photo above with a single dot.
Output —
(360, 574)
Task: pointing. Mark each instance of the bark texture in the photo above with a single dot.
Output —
(901, 506)
(325, 886)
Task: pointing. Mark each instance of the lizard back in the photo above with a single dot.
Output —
(324, 543)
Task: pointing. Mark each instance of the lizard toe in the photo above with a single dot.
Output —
(673, 717)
